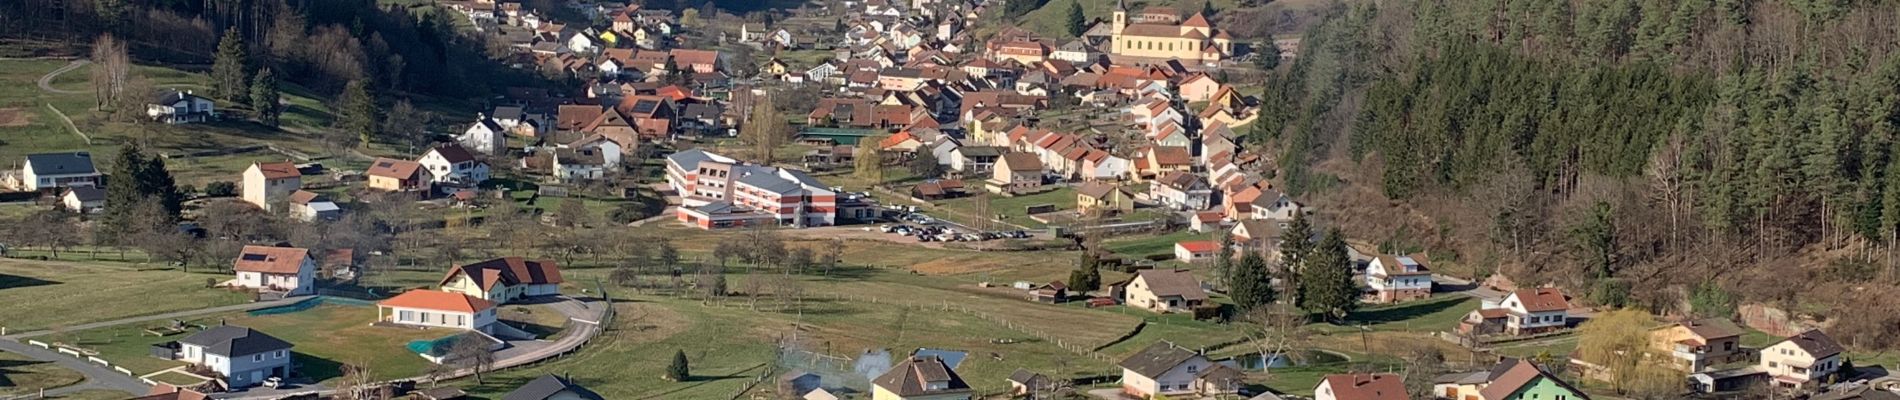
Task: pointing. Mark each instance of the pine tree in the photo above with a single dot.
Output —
(1326, 284)
(156, 183)
(678, 371)
(1224, 262)
(1267, 54)
(1087, 276)
(264, 97)
(122, 192)
(1075, 22)
(1252, 285)
(228, 80)
(357, 111)
(1295, 247)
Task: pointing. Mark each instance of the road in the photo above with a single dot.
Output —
(46, 81)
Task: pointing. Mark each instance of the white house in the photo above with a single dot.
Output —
(581, 42)
(1182, 191)
(1399, 278)
(176, 107)
(1526, 311)
(288, 270)
(453, 163)
(1163, 369)
(438, 309)
(244, 357)
(83, 199)
(609, 150)
(1802, 361)
(920, 377)
(487, 136)
(579, 164)
(1196, 250)
(47, 171)
(506, 279)
(1165, 291)
(267, 184)
(1274, 206)
(1363, 387)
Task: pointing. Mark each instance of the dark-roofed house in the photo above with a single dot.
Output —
(83, 199)
(173, 106)
(1361, 387)
(453, 163)
(1522, 380)
(289, 270)
(1097, 198)
(1023, 382)
(920, 378)
(939, 189)
(48, 171)
(1163, 369)
(1803, 361)
(243, 356)
(1017, 173)
(1700, 344)
(1399, 278)
(506, 279)
(550, 387)
(1164, 291)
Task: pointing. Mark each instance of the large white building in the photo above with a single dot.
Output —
(720, 192)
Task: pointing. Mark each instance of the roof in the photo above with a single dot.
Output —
(1183, 181)
(437, 300)
(87, 193)
(511, 271)
(72, 163)
(1368, 387)
(1542, 299)
(303, 197)
(1172, 282)
(278, 170)
(1817, 344)
(1199, 246)
(1098, 190)
(1022, 162)
(455, 153)
(576, 116)
(690, 56)
(165, 391)
(1403, 265)
(1713, 328)
(1513, 375)
(1027, 378)
(547, 386)
(235, 341)
(1170, 155)
(271, 260)
(910, 377)
(1259, 229)
(1157, 359)
(393, 168)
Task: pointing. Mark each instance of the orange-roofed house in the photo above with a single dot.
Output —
(1361, 387)
(392, 175)
(900, 142)
(1198, 87)
(287, 270)
(1524, 312)
(266, 184)
(1196, 250)
(504, 280)
(438, 309)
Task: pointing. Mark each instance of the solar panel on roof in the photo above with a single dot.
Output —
(645, 106)
(385, 164)
(254, 257)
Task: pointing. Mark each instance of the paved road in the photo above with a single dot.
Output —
(97, 377)
(46, 81)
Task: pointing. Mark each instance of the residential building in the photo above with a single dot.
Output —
(1182, 191)
(504, 280)
(920, 378)
(269, 184)
(1361, 387)
(486, 135)
(579, 164)
(50, 171)
(244, 357)
(1697, 345)
(172, 106)
(83, 199)
(1523, 312)
(1194, 251)
(1024, 382)
(1510, 379)
(1165, 291)
(392, 175)
(451, 163)
(1164, 369)
(438, 309)
(975, 159)
(287, 270)
(1017, 173)
(552, 387)
(309, 206)
(1258, 236)
(1272, 205)
(1102, 199)
(1801, 362)
(1399, 278)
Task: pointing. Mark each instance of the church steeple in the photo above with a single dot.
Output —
(1120, 17)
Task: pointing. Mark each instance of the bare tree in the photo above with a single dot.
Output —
(1274, 330)
(356, 383)
(470, 351)
(111, 67)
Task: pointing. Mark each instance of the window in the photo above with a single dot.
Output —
(259, 357)
(406, 316)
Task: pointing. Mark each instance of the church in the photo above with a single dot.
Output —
(1159, 32)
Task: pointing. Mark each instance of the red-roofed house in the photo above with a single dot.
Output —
(270, 183)
(506, 279)
(700, 61)
(1399, 278)
(1361, 387)
(1196, 250)
(432, 308)
(288, 270)
(901, 142)
(1526, 311)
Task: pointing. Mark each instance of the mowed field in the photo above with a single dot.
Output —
(48, 294)
(20, 375)
(325, 338)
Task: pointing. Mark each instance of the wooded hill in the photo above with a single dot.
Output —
(1680, 156)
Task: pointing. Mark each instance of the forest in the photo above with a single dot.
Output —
(1685, 157)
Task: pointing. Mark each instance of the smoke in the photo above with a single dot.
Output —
(873, 363)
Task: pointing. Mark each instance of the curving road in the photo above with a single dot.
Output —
(46, 81)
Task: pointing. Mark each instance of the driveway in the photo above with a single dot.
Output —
(46, 81)
(97, 377)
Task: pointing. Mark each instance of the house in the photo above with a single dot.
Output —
(975, 159)
(610, 151)
(392, 175)
(178, 107)
(287, 270)
(1272, 205)
(504, 280)
(486, 135)
(83, 199)
(1524, 312)
(1163, 369)
(579, 164)
(1258, 236)
(244, 357)
(1096, 198)
(1182, 191)
(1361, 387)
(49, 171)
(1193, 251)
(269, 184)
(438, 309)
(1023, 383)
(452, 163)
(309, 206)
(939, 189)
(551, 387)
(920, 378)
(1052, 292)
(1017, 173)
(1399, 278)
(1804, 361)
(1522, 380)
(165, 391)
(1165, 291)
(1206, 221)
(1198, 87)
(1697, 345)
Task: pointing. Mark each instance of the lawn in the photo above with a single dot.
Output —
(1437, 314)
(44, 294)
(324, 337)
(20, 375)
(1015, 209)
(1145, 245)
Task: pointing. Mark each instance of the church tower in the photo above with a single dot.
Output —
(1121, 16)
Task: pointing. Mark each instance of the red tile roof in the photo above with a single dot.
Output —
(512, 271)
(1199, 246)
(1367, 387)
(393, 168)
(271, 260)
(278, 170)
(1542, 299)
(438, 300)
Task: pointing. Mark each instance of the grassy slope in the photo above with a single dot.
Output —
(38, 295)
(20, 375)
(325, 337)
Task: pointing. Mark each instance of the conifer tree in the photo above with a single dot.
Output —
(678, 371)
(357, 111)
(1326, 283)
(228, 68)
(1252, 285)
(1075, 22)
(264, 97)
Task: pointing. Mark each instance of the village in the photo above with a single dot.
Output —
(884, 200)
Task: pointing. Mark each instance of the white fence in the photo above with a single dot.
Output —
(38, 343)
(74, 353)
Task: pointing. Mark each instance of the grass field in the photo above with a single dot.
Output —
(44, 294)
(1015, 209)
(1144, 245)
(324, 337)
(20, 375)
